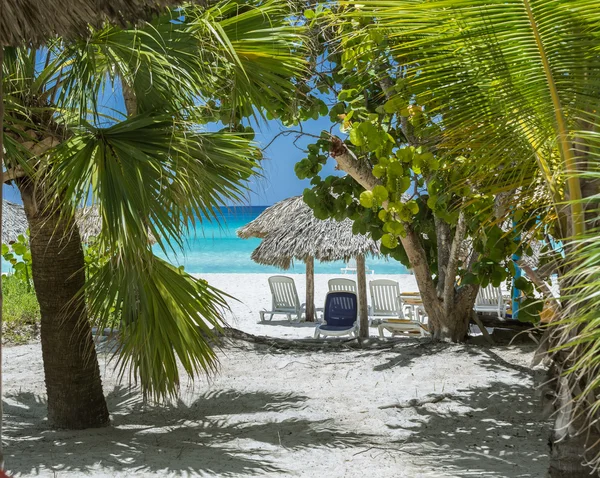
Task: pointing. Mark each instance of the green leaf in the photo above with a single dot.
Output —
(469, 278)
(356, 137)
(309, 14)
(380, 194)
(413, 206)
(524, 285)
(366, 199)
(379, 170)
(394, 105)
(390, 241)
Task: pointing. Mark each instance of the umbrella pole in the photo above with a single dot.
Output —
(363, 313)
(1, 204)
(310, 289)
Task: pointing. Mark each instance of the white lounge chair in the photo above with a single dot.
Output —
(385, 299)
(342, 285)
(490, 300)
(386, 305)
(351, 267)
(284, 299)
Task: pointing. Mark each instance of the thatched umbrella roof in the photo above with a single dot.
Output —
(14, 222)
(32, 22)
(290, 231)
(306, 236)
(276, 217)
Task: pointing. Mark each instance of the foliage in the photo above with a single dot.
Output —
(20, 309)
(155, 171)
(522, 78)
(18, 255)
(398, 130)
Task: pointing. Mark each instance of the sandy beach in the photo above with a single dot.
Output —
(276, 413)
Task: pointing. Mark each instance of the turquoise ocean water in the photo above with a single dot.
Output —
(215, 248)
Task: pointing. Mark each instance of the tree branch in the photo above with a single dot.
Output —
(542, 287)
(452, 269)
(348, 162)
(443, 233)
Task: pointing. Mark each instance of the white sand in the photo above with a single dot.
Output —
(309, 414)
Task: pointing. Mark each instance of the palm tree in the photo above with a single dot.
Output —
(522, 78)
(153, 172)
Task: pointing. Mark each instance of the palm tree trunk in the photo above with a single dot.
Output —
(571, 442)
(73, 384)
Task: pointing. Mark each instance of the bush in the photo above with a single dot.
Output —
(21, 311)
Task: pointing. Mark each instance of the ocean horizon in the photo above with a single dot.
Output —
(213, 247)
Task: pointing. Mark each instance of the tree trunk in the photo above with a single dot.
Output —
(310, 289)
(363, 313)
(567, 456)
(451, 324)
(72, 374)
(573, 439)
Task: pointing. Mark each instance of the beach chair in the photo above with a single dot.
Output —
(340, 314)
(403, 326)
(386, 306)
(489, 300)
(351, 267)
(385, 299)
(342, 285)
(284, 299)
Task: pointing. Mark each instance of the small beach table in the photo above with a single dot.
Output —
(414, 303)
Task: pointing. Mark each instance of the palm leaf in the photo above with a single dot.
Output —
(151, 175)
(168, 319)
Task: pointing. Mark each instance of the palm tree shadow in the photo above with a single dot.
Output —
(215, 435)
(493, 431)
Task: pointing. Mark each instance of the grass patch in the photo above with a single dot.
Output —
(21, 311)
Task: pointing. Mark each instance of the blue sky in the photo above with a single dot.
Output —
(279, 180)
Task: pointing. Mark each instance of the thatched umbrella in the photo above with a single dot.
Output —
(290, 231)
(14, 222)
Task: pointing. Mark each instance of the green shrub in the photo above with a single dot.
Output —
(21, 310)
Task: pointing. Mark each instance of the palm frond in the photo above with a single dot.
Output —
(506, 73)
(242, 53)
(167, 317)
(150, 175)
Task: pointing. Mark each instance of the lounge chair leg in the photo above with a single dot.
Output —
(317, 334)
(262, 317)
(380, 328)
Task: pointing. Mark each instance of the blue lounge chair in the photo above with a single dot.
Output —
(341, 311)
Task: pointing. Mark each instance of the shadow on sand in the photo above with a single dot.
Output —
(214, 436)
(492, 431)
